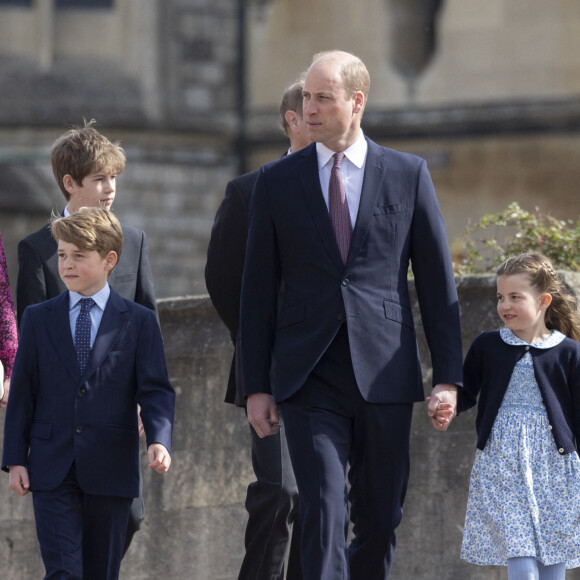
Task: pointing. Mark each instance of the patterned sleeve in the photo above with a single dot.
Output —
(8, 336)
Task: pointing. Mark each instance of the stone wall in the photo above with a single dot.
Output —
(195, 514)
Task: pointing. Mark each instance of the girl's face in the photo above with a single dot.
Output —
(521, 308)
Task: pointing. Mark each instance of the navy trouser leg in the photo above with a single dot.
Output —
(81, 535)
(378, 475)
(59, 528)
(272, 505)
(104, 529)
(136, 516)
(319, 452)
(328, 424)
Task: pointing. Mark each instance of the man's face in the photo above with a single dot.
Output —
(331, 117)
(96, 190)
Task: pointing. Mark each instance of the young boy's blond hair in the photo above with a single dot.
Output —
(83, 150)
(90, 228)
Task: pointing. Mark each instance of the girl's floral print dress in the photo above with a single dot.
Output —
(524, 497)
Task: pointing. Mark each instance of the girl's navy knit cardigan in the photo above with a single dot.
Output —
(487, 371)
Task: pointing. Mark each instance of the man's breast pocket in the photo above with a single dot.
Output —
(391, 209)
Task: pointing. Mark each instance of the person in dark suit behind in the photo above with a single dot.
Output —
(338, 233)
(79, 455)
(85, 165)
(272, 500)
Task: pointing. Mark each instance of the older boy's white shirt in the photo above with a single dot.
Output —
(101, 298)
(352, 170)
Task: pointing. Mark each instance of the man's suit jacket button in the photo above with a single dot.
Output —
(346, 282)
(339, 316)
(79, 429)
(82, 393)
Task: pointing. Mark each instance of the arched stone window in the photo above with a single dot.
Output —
(412, 37)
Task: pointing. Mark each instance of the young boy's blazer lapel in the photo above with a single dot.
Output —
(113, 323)
(60, 334)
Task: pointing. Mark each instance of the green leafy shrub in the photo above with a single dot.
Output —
(513, 231)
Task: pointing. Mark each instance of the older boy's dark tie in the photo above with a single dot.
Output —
(338, 208)
(83, 333)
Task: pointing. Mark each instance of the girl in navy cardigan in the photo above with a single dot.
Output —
(523, 509)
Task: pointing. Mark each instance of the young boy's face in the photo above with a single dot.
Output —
(97, 190)
(84, 271)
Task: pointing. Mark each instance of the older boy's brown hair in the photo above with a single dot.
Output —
(90, 228)
(83, 150)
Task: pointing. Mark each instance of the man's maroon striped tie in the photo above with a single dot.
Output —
(338, 207)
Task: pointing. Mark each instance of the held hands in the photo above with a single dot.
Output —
(263, 414)
(159, 458)
(442, 405)
(19, 482)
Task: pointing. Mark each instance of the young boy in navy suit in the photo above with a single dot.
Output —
(85, 164)
(86, 359)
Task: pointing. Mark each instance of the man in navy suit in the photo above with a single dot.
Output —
(271, 500)
(85, 164)
(86, 359)
(340, 340)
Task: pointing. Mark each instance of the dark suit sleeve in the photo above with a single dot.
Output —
(145, 290)
(225, 257)
(154, 391)
(260, 291)
(467, 397)
(435, 283)
(31, 280)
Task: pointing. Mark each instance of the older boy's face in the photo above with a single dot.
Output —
(97, 190)
(83, 271)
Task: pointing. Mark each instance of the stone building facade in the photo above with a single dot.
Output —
(488, 92)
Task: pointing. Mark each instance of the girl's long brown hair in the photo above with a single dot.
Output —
(562, 313)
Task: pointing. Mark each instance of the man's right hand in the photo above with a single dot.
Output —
(19, 479)
(263, 414)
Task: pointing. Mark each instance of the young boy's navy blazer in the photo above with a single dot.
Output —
(56, 417)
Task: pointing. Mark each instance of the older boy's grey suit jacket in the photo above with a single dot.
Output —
(38, 278)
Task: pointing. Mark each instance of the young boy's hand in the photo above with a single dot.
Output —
(4, 399)
(19, 482)
(159, 458)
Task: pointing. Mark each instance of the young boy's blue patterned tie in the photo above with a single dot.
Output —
(83, 333)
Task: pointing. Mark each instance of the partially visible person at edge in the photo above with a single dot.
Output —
(523, 510)
(271, 500)
(8, 335)
(85, 164)
(337, 225)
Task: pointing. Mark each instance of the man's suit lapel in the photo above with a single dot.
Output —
(374, 176)
(112, 324)
(58, 328)
(307, 168)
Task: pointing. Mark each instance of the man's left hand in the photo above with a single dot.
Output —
(442, 405)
